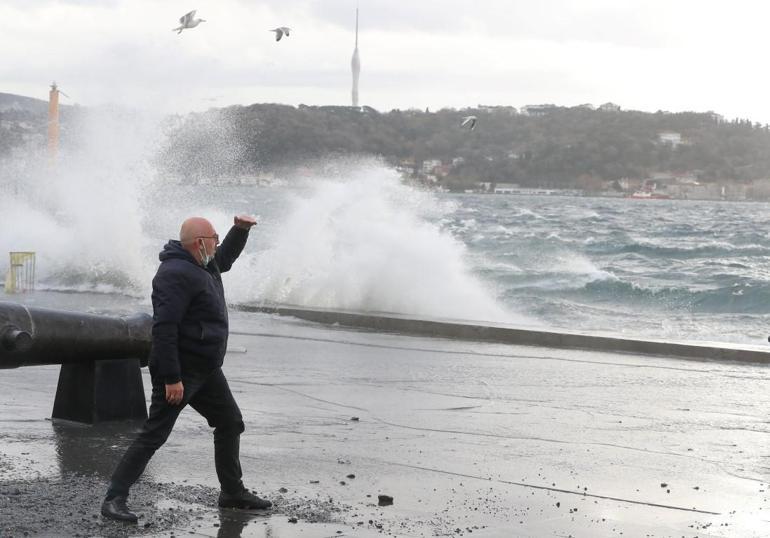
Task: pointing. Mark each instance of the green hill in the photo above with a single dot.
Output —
(551, 147)
(563, 147)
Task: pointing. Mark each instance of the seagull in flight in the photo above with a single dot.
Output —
(187, 21)
(280, 31)
(469, 121)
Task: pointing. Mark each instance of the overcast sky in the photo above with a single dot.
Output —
(642, 54)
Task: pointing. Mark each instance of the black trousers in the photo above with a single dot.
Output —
(209, 394)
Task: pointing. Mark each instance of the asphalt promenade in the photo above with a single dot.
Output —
(469, 438)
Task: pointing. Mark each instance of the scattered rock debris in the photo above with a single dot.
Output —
(70, 506)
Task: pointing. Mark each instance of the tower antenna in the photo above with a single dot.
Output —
(355, 65)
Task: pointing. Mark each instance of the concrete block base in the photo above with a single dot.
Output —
(99, 391)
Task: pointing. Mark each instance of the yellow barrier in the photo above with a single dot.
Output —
(21, 275)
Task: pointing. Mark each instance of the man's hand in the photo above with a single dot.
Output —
(244, 221)
(175, 393)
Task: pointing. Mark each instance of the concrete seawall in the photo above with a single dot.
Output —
(499, 333)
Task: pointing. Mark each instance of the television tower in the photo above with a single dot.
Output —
(355, 65)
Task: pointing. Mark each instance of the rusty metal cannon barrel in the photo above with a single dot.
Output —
(101, 356)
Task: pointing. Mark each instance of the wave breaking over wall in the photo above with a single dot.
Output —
(83, 215)
(367, 242)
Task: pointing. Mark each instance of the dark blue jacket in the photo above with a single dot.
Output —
(190, 326)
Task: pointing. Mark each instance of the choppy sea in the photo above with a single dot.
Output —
(657, 268)
(358, 238)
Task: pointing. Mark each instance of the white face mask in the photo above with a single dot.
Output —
(205, 258)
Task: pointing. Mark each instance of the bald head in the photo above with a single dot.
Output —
(195, 227)
(198, 237)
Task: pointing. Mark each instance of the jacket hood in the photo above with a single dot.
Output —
(174, 249)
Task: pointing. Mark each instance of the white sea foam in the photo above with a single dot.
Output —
(83, 216)
(366, 243)
(524, 212)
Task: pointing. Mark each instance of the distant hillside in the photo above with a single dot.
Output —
(556, 147)
(24, 122)
(20, 103)
(547, 146)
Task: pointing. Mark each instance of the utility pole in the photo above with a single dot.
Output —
(53, 123)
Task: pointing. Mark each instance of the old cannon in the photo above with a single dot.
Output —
(100, 377)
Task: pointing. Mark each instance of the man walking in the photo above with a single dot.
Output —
(189, 340)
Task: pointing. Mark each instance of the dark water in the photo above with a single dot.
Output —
(683, 269)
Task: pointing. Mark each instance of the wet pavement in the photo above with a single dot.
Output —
(468, 438)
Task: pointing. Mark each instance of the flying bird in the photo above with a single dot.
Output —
(187, 21)
(280, 31)
(469, 121)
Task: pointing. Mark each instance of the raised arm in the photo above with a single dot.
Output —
(233, 243)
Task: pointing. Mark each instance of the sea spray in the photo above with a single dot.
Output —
(83, 214)
(347, 233)
(371, 243)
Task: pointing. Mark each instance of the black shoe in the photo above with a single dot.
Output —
(244, 500)
(116, 509)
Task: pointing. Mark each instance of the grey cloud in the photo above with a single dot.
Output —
(620, 24)
(45, 3)
(143, 64)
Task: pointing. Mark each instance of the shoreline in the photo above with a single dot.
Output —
(507, 334)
